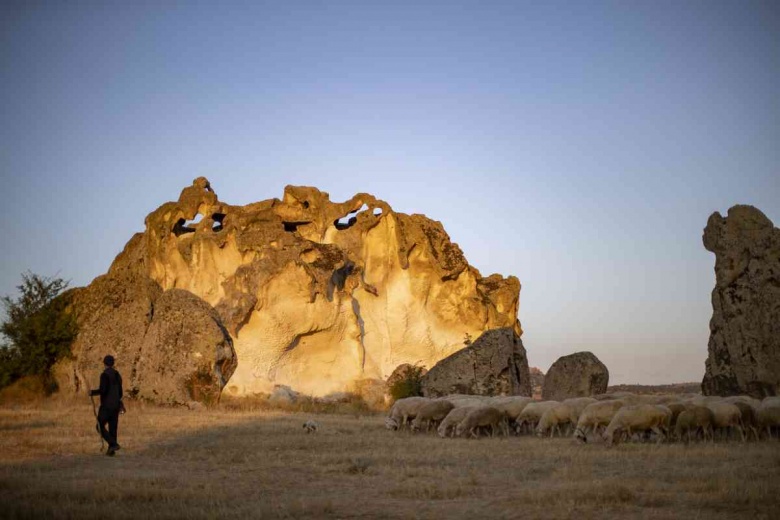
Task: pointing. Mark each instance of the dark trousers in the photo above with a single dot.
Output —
(110, 417)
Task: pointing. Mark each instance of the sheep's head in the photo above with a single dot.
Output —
(391, 424)
(580, 436)
(459, 430)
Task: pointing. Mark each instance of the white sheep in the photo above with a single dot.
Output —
(768, 414)
(484, 417)
(404, 410)
(577, 405)
(726, 416)
(694, 419)
(752, 401)
(311, 426)
(639, 418)
(460, 400)
(552, 420)
(430, 413)
(511, 406)
(531, 414)
(677, 408)
(748, 419)
(596, 415)
(452, 420)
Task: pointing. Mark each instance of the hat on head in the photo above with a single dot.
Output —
(108, 360)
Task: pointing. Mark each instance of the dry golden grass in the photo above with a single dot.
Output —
(228, 463)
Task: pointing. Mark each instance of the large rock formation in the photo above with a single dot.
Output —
(577, 375)
(495, 364)
(744, 346)
(301, 292)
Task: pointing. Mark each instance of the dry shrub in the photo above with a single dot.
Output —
(351, 404)
(25, 391)
(407, 382)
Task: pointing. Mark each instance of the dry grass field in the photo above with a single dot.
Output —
(259, 464)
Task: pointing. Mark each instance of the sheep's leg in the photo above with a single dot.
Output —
(661, 436)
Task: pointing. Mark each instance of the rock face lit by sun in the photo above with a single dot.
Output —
(301, 291)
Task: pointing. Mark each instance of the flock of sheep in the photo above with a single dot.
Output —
(612, 417)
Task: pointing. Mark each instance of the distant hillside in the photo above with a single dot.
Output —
(676, 388)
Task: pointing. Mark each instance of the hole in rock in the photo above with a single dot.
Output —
(194, 222)
(305, 204)
(292, 227)
(181, 228)
(217, 226)
(350, 218)
(377, 212)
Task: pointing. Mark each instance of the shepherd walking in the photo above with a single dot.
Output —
(110, 393)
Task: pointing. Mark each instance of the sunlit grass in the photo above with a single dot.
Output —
(232, 463)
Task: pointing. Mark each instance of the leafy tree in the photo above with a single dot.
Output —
(39, 329)
(409, 384)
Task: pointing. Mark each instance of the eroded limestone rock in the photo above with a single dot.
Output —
(314, 294)
(744, 346)
(186, 355)
(494, 364)
(170, 347)
(577, 375)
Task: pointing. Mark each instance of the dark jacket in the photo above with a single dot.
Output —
(110, 390)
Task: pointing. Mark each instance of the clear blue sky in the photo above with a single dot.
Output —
(578, 145)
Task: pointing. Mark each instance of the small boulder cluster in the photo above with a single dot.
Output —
(608, 417)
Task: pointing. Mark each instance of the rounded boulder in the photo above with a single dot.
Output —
(577, 375)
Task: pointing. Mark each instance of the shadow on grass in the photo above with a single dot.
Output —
(27, 426)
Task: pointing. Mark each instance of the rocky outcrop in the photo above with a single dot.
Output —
(495, 364)
(744, 346)
(537, 382)
(577, 375)
(170, 347)
(186, 354)
(313, 294)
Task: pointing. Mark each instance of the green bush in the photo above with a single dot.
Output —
(408, 385)
(39, 328)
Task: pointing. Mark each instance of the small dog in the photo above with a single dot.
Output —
(311, 426)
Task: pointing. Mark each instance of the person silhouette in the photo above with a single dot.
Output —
(110, 393)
